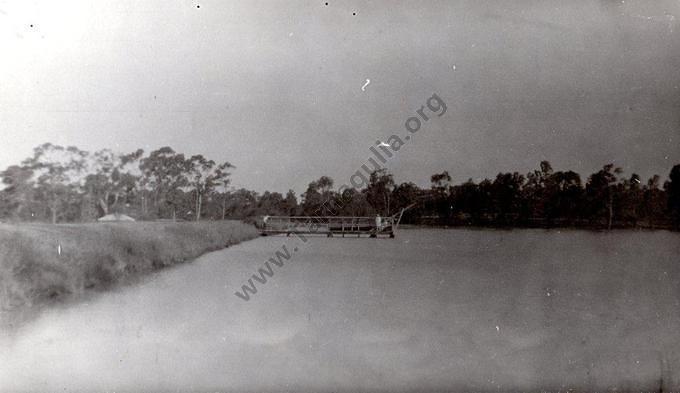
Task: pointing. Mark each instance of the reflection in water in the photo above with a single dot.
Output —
(430, 309)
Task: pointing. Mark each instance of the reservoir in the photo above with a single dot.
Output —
(433, 309)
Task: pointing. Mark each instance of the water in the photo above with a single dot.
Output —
(431, 309)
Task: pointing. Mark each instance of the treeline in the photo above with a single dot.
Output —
(66, 184)
(542, 198)
(548, 198)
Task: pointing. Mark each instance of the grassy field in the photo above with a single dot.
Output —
(42, 263)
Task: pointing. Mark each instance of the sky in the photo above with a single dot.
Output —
(288, 91)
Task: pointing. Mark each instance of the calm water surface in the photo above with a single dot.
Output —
(431, 309)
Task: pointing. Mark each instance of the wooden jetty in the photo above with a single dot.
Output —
(330, 225)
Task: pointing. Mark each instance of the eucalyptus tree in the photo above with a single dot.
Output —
(112, 177)
(379, 191)
(58, 173)
(204, 176)
(164, 176)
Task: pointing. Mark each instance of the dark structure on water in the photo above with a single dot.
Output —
(330, 226)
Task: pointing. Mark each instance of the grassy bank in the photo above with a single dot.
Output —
(42, 263)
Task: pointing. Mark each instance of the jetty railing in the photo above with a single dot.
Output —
(329, 225)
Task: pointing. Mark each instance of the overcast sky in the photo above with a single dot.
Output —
(276, 87)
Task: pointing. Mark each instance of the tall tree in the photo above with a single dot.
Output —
(58, 173)
(507, 193)
(379, 191)
(112, 177)
(204, 176)
(241, 203)
(407, 195)
(600, 190)
(318, 197)
(441, 181)
(673, 190)
(290, 203)
(654, 202)
(271, 204)
(564, 193)
(353, 203)
(440, 192)
(630, 197)
(537, 190)
(164, 177)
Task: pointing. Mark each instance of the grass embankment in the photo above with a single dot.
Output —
(41, 263)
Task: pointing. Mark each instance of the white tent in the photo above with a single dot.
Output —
(116, 217)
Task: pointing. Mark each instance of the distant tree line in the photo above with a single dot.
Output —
(548, 198)
(542, 198)
(66, 184)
